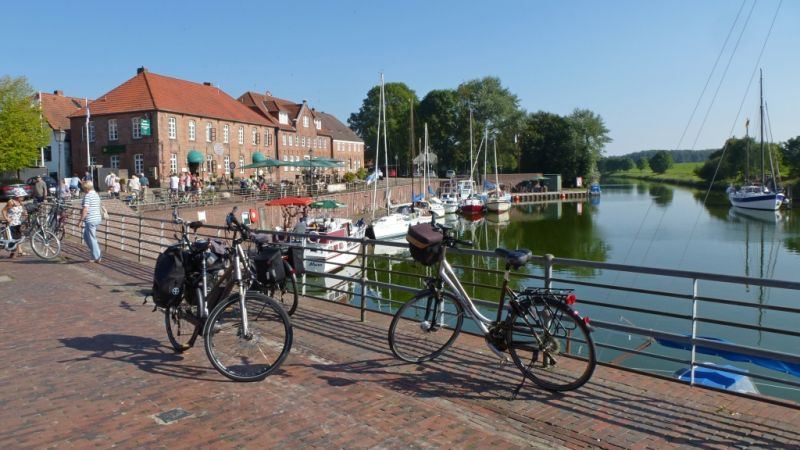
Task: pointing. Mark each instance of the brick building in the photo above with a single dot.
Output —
(157, 125)
(56, 158)
(192, 127)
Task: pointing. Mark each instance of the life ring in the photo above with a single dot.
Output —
(313, 237)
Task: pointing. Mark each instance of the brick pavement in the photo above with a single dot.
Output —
(86, 364)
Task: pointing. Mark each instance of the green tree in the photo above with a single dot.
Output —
(641, 164)
(660, 162)
(733, 161)
(590, 136)
(790, 153)
(496, 107)
(440, 110)
(547, 146)
(399, 98)
(22, 129)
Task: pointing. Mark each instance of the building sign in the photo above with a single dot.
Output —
(144, 126)
(113, 149)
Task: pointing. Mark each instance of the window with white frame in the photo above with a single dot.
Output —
(172, 128)
(285, 159)
(113, 131)
(192, 131)
(92, 161)
(267, 139)
(209, 127)
(91, 131)
(254, 136)
(115, 162)
(227, 162)
(283, 117)
(173, 163)
(241, 163)
(136, 128)
(225, 133)
(138, 163)
(283, 139)
(305, 121)
(241, 135)
(209, 163)
(318, 124)
(291, 140)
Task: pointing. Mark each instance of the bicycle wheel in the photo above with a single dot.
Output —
(425, 326)
(183, 326)
(45, 244)
(253, 356)
(550, 344)
(285, 293)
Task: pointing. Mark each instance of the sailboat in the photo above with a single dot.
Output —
(497, 200)
(755, 194)
(469, 199)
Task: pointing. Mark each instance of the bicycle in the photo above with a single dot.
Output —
(283, 291)
(247, 334)
(547, 340)
(44, 243)
(56, 219)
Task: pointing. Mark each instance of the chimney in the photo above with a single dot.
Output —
(141, 70)
(304, 102)
(59, 92)
(207, 83)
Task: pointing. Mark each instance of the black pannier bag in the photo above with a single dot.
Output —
(295, 255)
(269, 265)
(169, 277)
(425, 243)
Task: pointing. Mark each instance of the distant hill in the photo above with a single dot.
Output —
(678, 156)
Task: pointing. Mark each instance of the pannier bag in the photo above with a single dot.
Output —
(168, 278)
(269, 265)
(425, 243)
(296, 260)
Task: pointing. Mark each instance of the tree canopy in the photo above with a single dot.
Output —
(660, 162)
(22, 129)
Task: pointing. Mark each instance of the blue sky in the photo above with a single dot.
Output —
(641, 65)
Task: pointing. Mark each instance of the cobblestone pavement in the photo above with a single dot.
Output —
(85, 364)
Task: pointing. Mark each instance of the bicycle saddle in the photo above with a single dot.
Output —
(514, 258)
(195, 225)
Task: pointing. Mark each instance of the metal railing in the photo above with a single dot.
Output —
(676, 308)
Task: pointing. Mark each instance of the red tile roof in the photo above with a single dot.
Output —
(336, 129)
(56, 108)
(148, 91)
(270, 107)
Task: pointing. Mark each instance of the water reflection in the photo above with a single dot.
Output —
(662, 194)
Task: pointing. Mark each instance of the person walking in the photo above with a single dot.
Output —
(14, 213)
(145, 183)
(39, 190)
(91, 216)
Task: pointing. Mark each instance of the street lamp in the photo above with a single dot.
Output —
(60, 136)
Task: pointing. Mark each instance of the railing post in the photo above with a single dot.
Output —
(122, 235)
(548, 270)
(140, 240)
(694, 327)
(363, 281)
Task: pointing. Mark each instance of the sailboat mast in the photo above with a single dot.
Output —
(385, 146)
(377, 150)
(761, 113)
(412, 151)
(496, 175)
(470, 144)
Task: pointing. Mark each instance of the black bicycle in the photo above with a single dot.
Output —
(247, 334)
(547, 340)
(283, 286)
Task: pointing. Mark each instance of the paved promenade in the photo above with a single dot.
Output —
(85, 364)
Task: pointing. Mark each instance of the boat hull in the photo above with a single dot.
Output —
(770, 201)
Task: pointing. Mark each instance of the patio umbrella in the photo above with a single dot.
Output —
(317, 163)
(328, 204)
(264, 163)
(290, 201)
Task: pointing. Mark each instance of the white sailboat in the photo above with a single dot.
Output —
(755, 194)
(497, 200)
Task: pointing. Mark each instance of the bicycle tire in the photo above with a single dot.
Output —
(419, 332)
(253, 357)
(550, 344)
(45, 244)
(285, 293)
(183, 326)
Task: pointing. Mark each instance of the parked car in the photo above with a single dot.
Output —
(50, 181)
(450, 174)
(8, 186)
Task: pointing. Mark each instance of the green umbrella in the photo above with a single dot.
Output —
(328, 204)
(321, 163)
(264, 163)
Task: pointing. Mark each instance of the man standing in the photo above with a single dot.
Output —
(144, 182)
(110, 181)
(40, 190)
(91, 218)
(174, 183)
(134, 186)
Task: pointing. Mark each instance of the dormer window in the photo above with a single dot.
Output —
(283, 117)
(318, 124)
(305, 121)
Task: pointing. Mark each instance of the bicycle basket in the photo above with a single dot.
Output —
(425, 243)
(269, 265)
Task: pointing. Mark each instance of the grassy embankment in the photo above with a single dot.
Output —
(683, 174)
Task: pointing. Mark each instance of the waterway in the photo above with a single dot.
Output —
(641, 224)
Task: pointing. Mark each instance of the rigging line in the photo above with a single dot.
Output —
(724, 74)
(710, 74)
(733, 126)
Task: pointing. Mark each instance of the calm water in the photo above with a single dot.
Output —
(639, 224)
